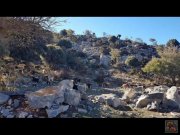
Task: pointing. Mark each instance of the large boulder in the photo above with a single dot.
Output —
(173, 98)
(3, 98)
(144, 100)
(72, 97)
(45, 97)
(105, 60)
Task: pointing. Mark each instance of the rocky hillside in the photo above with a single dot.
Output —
(64, 75)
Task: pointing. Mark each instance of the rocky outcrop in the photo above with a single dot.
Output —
(45, 97)
(57, 94)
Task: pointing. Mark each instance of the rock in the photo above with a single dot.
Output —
(153, 106)
(115, 102)
(8, 107)
(66, 84)
(144, 100)
(82, 88)
(139, 88)
(45, 97)
(105, 60)
(10, 116)
(174, 94)
(29, 116)
(172, 100)
(59, 99)
(3, 98)
(130, 95)
(16, 103)
(9, 101)
(101, 100)
(93, 61)
(175, 114)
(5, 112)
(22, 115)
(72, 97)
(54, 112)
(104, 97)
(132, 105)
(156, 89)
(84, 97)
(80, 110)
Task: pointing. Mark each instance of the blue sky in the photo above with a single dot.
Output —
(160, 28)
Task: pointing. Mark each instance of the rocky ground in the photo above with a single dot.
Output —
(61, 101)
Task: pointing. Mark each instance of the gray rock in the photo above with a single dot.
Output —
(80, 110)
(115, 102)
(59, 100)
(45, 97)
(5, 112)
(144, 100)
(9, 101)
(16, 103)
(153, 106)
(22, 115)
(29, 116)
(55, 112)
(66, 84)
(156, 89)
(172, 99)
(72, 97)
(174, 94)
(130, 95)
(3, 98)
(10, 116)
(82, 88)
(105, 60)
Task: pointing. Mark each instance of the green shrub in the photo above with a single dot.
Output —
(65, 43)
(168, 65)
(132, 61)
(173, 43)
(105, 50)
(55, 57)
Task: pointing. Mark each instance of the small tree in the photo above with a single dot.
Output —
(65, 43)
(115, 54)
(113, 39)
(168, 65)
(154, 42)
(63, 33)
(173, 43)
(118, 36)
